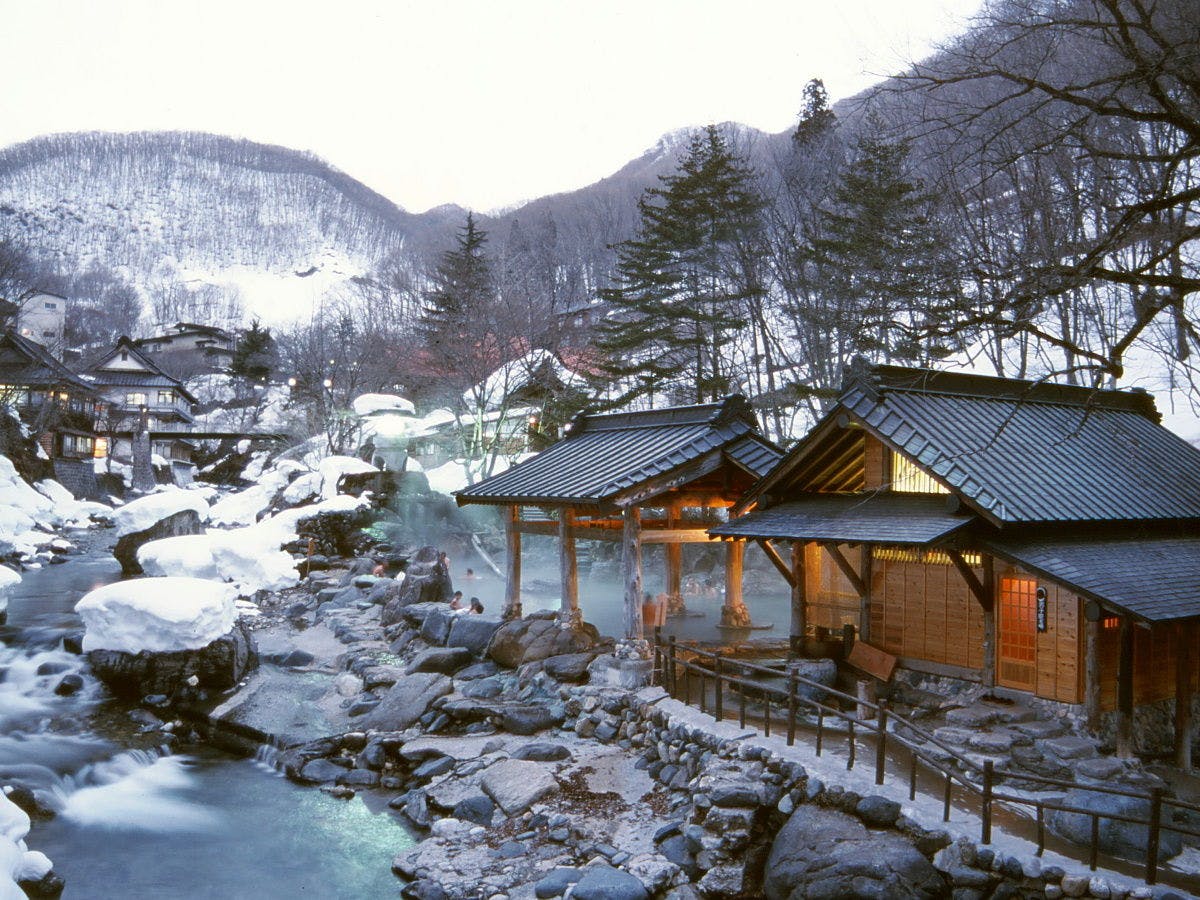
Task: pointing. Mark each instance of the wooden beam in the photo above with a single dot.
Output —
(853, 577)
(987, 675)
(512, 564)
(1125, 690)
(581, 532)
(733, 612)
(799, 626)
(569, 616)
(982, 593)
(640, 493)
(631, 570)
(1185, 636)
(697, 535)
(777, 560)
(1091, 673)
(866, 566)
(674, 564)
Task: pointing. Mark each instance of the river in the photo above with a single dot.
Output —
(133, 819)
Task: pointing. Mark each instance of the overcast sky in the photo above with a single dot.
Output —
(481, 103)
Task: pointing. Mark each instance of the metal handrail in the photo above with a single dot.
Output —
(670, 658)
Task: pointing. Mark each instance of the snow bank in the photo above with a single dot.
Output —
(370, 404)
(17, 862)
(458, 473)
(22, 510)
(244, 507)
(71, 511)
(140, 514)
(156, 614)
(189, 554)
(332, 468)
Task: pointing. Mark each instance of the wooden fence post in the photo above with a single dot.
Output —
(719, 712)
(791, 732)
(881, 743)
(1155, 835)
(988, 767)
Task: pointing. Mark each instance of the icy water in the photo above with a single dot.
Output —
(143, 822)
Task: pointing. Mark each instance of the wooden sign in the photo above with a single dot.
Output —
(1041, 609)
(872, 660)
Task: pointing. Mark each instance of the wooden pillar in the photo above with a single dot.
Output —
(734, 613)
(1125, 691)
(631, 571)
(569, 615)
(988, 604)
(512, 579)
(1091, 672)
(1184, 661)
(799, 625)
(674, 560)
(866, 561)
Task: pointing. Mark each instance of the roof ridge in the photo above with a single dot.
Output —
(728, 409)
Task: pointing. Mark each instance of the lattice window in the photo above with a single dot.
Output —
(1018, 633)
(928, 557)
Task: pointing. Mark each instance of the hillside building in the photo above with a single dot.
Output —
(188, 348)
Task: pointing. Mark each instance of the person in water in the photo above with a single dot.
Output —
(456, 602)
(476, 605)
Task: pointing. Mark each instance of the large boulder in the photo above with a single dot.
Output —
(426, 580)
(601, 882)
(185, 521)
(446, 660)
(1118, 838)
(517, 784)
(406, 701)
(537, 637)
(472, 633)
(823, 853)
(217, 666)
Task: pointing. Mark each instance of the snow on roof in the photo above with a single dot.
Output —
(514, 375)
(156, 614)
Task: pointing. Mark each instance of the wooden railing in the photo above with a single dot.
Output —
(677, 668)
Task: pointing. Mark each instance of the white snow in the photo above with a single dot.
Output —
(156, 614)
(332, 468)
(244, 507)
(8, 580)
(27, 516)
(303, 488)
(140, 514)
(372, 404)
(189, 554)
(458, 473)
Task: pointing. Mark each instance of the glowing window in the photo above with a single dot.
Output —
(908, 479)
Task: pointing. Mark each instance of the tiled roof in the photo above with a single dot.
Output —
(893, 519)
(33, 365)
(1155, 578)
(1023, 452)
(605, 455)
(154, 376)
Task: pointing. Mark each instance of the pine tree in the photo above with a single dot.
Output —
(462, 295)
(254, 357)
(880, 254)
(679, 288)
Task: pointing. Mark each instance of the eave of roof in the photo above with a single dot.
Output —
(867, 518)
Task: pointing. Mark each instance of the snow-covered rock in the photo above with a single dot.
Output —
(156, 614)
(332, 469)
(188, 555)
(140, 514)
(244, 507)
(8, 580)
(17, 862)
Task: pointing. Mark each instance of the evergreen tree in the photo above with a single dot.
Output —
(880, 255)
(254, 357)
(461, 298)
(681, 283)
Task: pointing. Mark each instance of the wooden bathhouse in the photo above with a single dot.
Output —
(654, 477)
(1040, 538)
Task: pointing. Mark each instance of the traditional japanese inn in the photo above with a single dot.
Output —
(1037, 537)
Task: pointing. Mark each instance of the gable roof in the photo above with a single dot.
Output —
(28, 363)
(152, 375)
(605, 456)
(1019, 451)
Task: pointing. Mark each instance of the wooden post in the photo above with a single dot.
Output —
(674, 561)
(512, 580)
(988, 675)
(734, 613)
(1091, 674)
(799, 619)
(866, 561)
(1125, 691)
(569, 615)
(1185, 637)
(631, 570)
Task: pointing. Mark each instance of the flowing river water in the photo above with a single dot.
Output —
(133, 819)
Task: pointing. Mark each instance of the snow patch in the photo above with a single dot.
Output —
(332, 468)
(140, 514)
(371, 404)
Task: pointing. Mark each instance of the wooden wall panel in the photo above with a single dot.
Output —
(875, 462)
